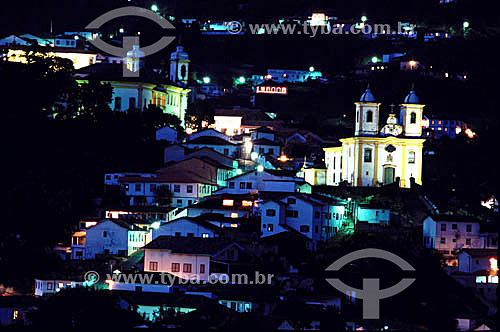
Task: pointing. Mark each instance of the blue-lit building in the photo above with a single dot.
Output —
(439, 127)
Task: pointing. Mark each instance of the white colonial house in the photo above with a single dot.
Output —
(225, 147)
(187, 226)
(317, 218)
(266, 180)
(450, 233)
(114, 237)
(51, 286)
(188, 257)
(379, 156)
(186, 186)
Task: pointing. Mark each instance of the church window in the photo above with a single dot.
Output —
(357, 116)
(411, 157)
(154, 98)
(183, 72)
(413, 117)
(368, 156)
(369, 116)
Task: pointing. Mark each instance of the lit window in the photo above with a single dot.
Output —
(246, 203)
(480, 279)
(493, 279)
(204, 235)
(234, 215)
(368, 156)
(411, 157)
(234, 225)
(15, 315)
(153, 266)
(228, 202)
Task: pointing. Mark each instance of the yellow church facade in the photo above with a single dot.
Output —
(374, 156)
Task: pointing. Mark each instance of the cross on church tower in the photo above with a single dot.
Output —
(392, 107)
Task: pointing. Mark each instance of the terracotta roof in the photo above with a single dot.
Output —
(190, 245)
(454, 218)
(481, 252)
(264, 141)
(210, 140)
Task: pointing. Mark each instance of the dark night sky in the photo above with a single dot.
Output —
(35, 15)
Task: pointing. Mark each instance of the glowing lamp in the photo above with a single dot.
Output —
(364, 18)
(283, 158)
(311, 68)
(206, 79)
(155, 225)
(239, 172)
(189, 131)
(260, 168)
(375, 59)
(412, 63)
(227, 202)
(122, 30)
(254, 155)
(154, 8)
(466, 24)
(493, 265)
(242, 80)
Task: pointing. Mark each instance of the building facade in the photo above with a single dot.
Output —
(379, 156)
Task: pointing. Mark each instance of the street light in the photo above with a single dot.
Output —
(311, 68)
(466, 25)
(154, 8)
(242, 80)
(206, 79)
(375, 59)
(260, 168)
(364, 18)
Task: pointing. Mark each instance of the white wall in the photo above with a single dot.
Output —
(229, 125)
(106, 236)
(165, 258)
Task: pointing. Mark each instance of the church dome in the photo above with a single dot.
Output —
(179, 54)
(367, 96)
(412, 98)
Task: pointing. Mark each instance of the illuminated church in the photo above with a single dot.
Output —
(379, 154)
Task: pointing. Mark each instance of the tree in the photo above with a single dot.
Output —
(199, 112)
(89, 100)
(155, 118)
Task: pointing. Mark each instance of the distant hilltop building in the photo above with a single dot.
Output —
(168, 91)
(379, 156)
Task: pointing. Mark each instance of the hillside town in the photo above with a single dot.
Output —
(201, 188)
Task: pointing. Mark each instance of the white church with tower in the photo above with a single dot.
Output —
(168, 92)
(377, 155)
